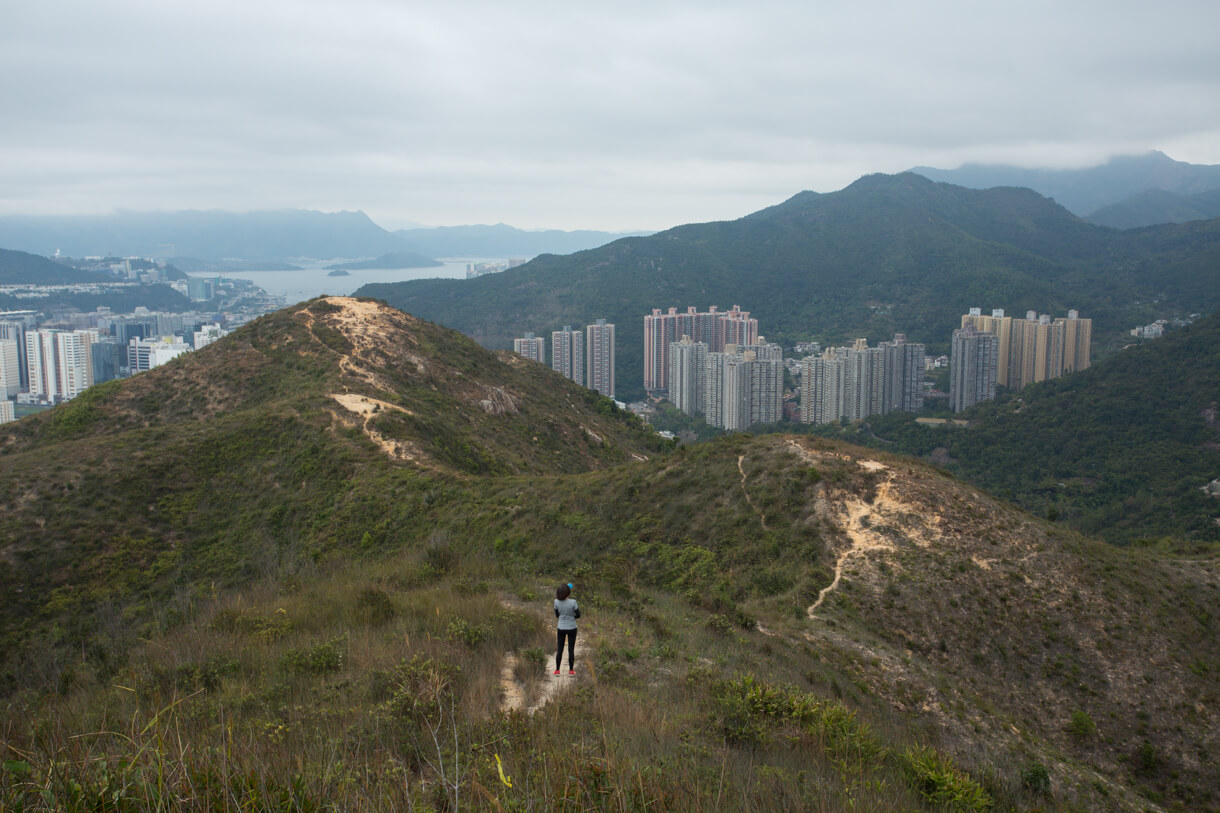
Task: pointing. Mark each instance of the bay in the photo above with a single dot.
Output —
(314, 279)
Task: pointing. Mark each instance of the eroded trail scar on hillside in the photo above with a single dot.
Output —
(762, 518)
(857, 519)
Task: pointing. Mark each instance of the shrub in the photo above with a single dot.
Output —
(466, 633)
(374, 607)
(942, 783)
(1081, 725)
(535, 655)
(316, 660)
(1036, 779)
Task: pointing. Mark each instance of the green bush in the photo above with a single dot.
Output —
(1081, 725)
(374, 607)
(1036, 779)
(463, 632)
(316, 660)
(942, 783)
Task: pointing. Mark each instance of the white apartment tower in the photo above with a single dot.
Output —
(972, 367)
(599, 350)
(568, 353)
(741, 389)
(904, 369)
(532, 347)
(822, 388)
(687, 369)
(60, 363)
(10, 369)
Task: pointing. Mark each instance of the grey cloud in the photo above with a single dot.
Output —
(623, 116)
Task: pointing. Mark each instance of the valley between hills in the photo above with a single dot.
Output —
(310, 566)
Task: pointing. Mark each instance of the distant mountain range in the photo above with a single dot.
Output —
(503, 241)
(206, 235)
(1158, 206)
(397, 259)
(272, 239)
(1126, 191)
(890, 253)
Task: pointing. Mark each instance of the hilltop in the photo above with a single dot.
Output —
(1089, 192)
(295, 557)
(21, 268)
(887, 254)
(302, 434)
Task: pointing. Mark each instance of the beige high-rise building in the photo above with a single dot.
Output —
(1000, 326)
(1077, 341)
(1035, 348)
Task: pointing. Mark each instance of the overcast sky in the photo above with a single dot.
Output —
(609, 116)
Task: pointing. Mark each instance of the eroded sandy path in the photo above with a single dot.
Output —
(762, 518)
(541, 684)
(857, 519)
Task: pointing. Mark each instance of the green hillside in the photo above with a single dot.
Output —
(303, 437)
(887, 254)
(310, 567)
(20, 268)
(1120, 450)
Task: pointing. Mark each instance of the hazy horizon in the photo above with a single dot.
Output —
(631, 118)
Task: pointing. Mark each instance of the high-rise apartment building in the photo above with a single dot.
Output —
(904, 369)
(10, 369)
(863, 379)
(206, 334)
(1035, 348)
(15, 331)
(145, 354)
(599, 350)
(60, 363)
(532, 347)
(687, 369)
(662, 328)
(858, 381)
(734, 327)
(660, 331)
(741, 389)
(8, 411)
(822, 388)
(568, 353)
(1035, 352)
(1077, 341)
(972, 367)
(109, 360)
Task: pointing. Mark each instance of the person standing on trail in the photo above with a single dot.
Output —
(567, 611)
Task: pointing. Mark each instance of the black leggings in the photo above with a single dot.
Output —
(571, 636)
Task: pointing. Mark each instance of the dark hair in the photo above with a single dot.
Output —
(562, 592)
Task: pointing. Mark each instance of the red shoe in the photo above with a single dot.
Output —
(556, 673)
(571, 673)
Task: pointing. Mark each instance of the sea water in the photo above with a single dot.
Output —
(314, 279)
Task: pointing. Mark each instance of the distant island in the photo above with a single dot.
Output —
(395, 259)
(339, 272)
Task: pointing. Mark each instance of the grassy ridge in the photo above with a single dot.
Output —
(248, 594)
